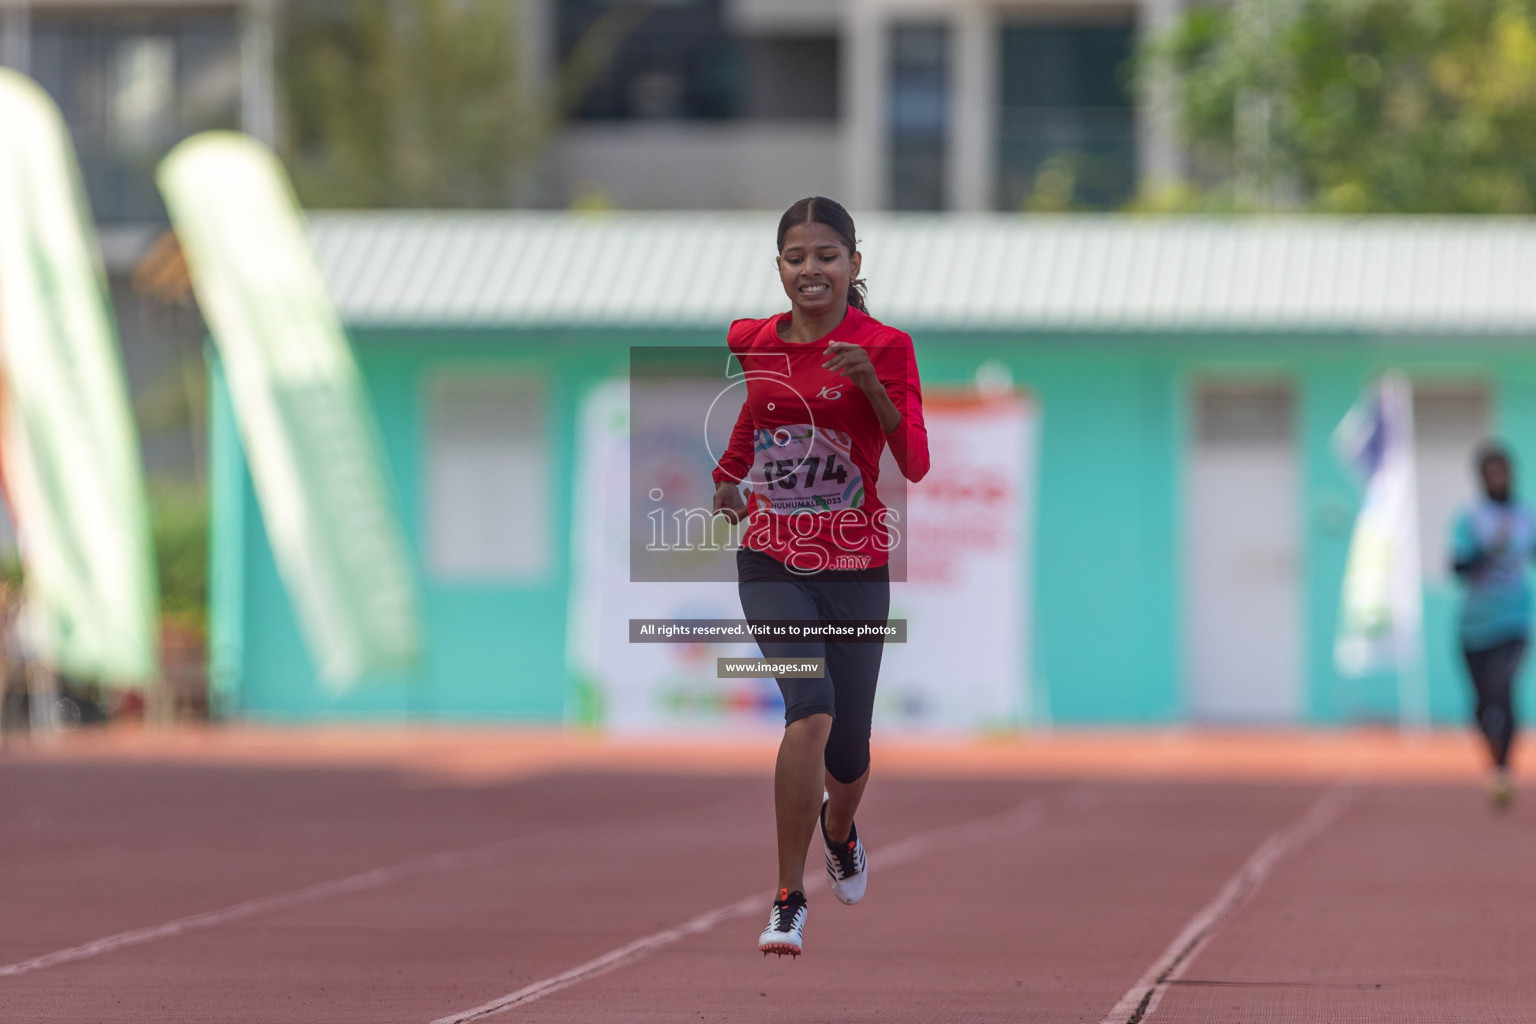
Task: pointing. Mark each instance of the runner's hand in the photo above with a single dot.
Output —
(852, 361)
(728, 502)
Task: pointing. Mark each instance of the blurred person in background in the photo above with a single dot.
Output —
(817, 545)
(1490, 544)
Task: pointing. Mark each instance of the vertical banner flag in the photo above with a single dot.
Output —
(1381, 610)
(73, 475)
(299, 403)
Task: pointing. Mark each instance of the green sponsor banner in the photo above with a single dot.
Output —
(299, 404)
(67, 439)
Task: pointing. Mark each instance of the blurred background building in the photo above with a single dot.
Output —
(701, 104)
(1192, 517)
(891, 104)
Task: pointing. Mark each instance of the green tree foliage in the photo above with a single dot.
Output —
(422, 103)
(1357, 106)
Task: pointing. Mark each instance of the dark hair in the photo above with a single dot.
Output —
(821, 210)
(1491, 451)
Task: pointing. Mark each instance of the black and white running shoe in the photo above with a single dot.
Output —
(785, 933)
(847, 867)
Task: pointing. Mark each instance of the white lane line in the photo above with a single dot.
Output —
(972, 833)
(1142, 998)
(438, 863)
(609, 961)
(353, 883)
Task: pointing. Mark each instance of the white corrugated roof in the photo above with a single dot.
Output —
(1105, 272)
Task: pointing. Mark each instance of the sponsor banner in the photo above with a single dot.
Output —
(650, 686)
(969, 560)
(1381, 609)
(963, 665)
(304, 418)
(73, 476)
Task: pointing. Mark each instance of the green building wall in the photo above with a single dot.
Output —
(1108, 584)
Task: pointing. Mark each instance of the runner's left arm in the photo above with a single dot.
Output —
(896, 365)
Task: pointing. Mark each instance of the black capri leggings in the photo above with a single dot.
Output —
(770, 590)
(1493, 673)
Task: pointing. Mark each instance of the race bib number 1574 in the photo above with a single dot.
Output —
(799, 468)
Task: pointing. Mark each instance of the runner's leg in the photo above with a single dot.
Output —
(808, 709)
(843, 800)
(855, 671)
(1493, 674)
(797, 794)
(1500, 725)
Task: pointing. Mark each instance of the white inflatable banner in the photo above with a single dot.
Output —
(73, 476)
(304, 416)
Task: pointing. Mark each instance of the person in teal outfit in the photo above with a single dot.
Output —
(1491, 542)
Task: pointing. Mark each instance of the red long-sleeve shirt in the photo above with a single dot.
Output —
(807, 443)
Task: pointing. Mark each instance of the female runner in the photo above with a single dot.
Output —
(828, 389)
(1490, 545)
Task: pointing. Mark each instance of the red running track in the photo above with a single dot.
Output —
(1018, 901)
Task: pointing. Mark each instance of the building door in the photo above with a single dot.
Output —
(1243, 555)
(1449, 422)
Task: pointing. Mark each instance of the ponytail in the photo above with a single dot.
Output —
(856, 295)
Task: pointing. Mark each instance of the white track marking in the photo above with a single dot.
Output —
(1142, 998)
(981, 830)
(609, 961)
(438, 863)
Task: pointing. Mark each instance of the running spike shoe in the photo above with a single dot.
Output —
(785, 934)
(847, 866)
(1501, 789)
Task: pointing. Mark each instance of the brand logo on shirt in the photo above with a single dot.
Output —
(831, 391)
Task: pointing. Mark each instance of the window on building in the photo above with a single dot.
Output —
(130, 88)
(792, 78)
(680, 62)
(487, 480)
(919, 113)
(1239, 412)
(1449, 421)
(1067, 137)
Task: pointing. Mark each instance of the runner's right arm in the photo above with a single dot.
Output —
(736, 461)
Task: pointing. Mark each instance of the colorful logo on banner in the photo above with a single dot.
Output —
(67, 438)
(298, 399)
